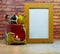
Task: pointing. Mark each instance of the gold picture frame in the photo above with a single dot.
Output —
(27, 6)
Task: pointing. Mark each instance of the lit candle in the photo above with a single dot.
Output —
(16, 36)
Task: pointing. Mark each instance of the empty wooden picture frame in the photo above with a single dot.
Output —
(39, 22)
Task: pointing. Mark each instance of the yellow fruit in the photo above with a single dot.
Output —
(20, 19)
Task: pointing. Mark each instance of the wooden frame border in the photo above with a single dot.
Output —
(26, 13)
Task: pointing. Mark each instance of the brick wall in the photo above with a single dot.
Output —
(12, 6)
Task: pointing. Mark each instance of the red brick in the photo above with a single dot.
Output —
(0, 9)
(8, 2)
(11, 6)
(1, 37)
(1, 23)
(10, 13)
(55, 17)
(0, 2)
(1, 15)
(7, 9)
(57, 1)
(2, 32)
(20, 7)
(56, 11)
(0, 6)
(1, 29)
(44, 1)
(1, 19)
